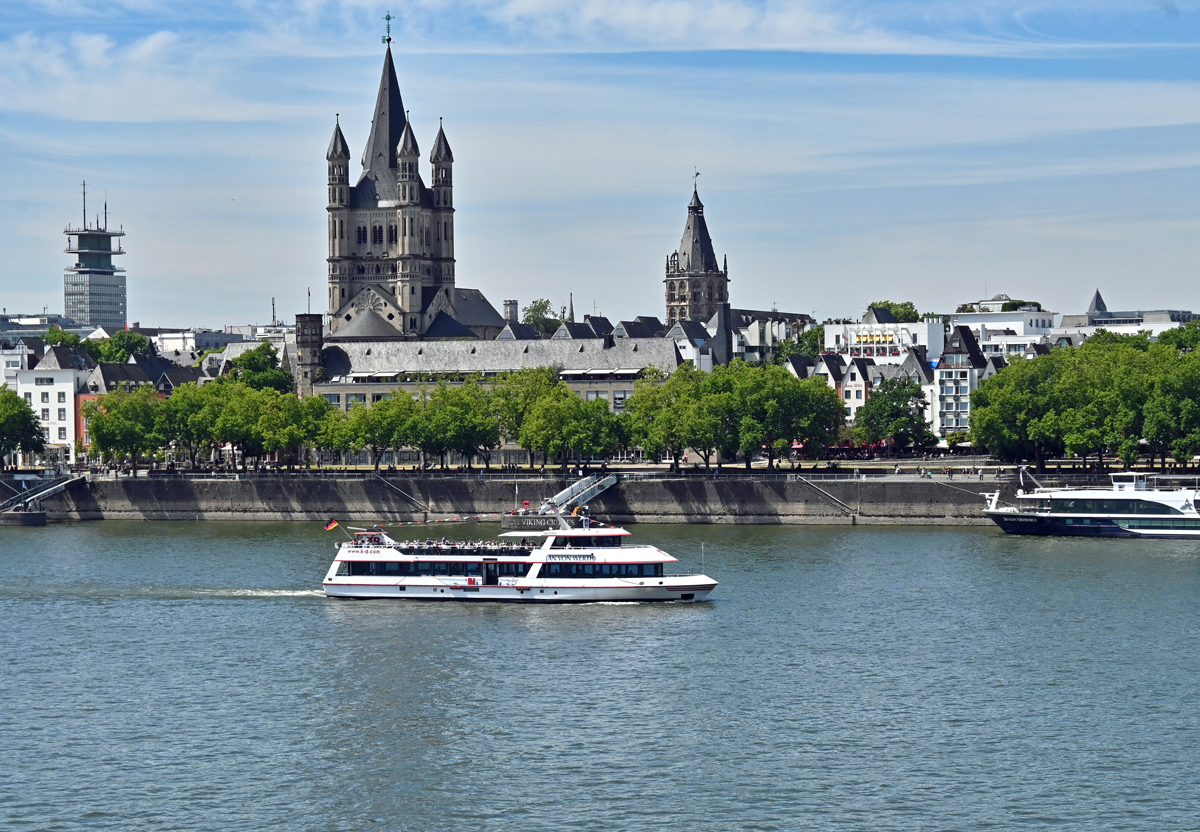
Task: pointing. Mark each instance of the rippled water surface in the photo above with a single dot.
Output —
(193, 677)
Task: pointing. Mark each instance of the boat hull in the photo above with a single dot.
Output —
(1025, 523)
(692, 590)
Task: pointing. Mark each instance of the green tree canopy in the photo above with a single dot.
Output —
(259, 368)
(56, 337)
(20, 429)
(540, 314)
(904, 311)
(895, 413)
(123, 422)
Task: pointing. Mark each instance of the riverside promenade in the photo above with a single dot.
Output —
(875, 496)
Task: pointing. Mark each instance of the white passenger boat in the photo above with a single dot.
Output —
(1136, 505)
(573, 565)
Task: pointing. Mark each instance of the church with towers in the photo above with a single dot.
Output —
(391, 236)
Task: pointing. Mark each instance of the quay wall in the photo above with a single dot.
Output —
(873, 501)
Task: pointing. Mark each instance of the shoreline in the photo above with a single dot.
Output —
(783, 500)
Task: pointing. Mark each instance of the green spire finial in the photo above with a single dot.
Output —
(388, 37)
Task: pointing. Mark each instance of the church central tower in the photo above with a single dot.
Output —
(391, 237)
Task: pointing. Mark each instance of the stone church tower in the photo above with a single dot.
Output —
(695, 286)
(391, 236)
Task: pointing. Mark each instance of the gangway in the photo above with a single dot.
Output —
(41, 492)
(578, 493)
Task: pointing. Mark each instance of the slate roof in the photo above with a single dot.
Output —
(745, 317)
(441, 148)
(152, 365)
(443, 326)
(571, 329)
(696, 249)
(599, 324)
(515, 331)
(65, 358)
(338, 149)
(453, 357)
(833, 365)
(366, 324)
(800, 365)
(962, 342)
(408, 142)
(178, 375)
(694, 331)
(387, 124)
(634, 329)
(879, 315)
(107, 377)
(472, 308)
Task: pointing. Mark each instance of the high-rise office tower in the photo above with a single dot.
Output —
(93, 288)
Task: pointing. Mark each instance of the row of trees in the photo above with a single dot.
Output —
(742, 408)
(1116, 394)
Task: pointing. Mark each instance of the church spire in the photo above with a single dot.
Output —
(338, 149)
(441, 147)
(387, 124)
(696, 249)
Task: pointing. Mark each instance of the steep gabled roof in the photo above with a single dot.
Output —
(962, 342)
(879, 315)
(599, 324)
(571, 329)
(472, 308)
(1097, 304)
(338, 149)
(441, 148)
(65, 358)
(515, 331)
(108, 377)
(801, 366)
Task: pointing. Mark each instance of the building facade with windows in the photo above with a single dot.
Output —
(957, 375)
(94, 288)
(880, 337)
(52, 388)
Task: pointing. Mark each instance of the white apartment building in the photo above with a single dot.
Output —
(51, 388)
(881, 337)
(1000, 333)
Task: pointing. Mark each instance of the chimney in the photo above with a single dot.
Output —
(510, 311)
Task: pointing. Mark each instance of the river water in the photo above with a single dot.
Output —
(192, 677)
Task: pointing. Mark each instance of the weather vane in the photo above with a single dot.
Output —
(695, 177)
(388, 37)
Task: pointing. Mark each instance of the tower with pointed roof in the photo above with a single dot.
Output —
(391, 237)
(695, 285)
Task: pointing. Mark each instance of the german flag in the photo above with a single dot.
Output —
(331, 524)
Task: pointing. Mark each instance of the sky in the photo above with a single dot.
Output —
(848, 152)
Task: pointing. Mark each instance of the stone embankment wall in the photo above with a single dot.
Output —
(882, 501)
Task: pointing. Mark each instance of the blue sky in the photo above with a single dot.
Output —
(848, 151)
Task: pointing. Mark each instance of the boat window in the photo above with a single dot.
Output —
(1110, 507)
(601, 570)
(560, 543)
(400, 569)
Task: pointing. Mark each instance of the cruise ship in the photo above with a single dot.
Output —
(567, 565)
(1134, 506)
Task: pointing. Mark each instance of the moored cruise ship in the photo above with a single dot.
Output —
(1134, 506)
(573, 565)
